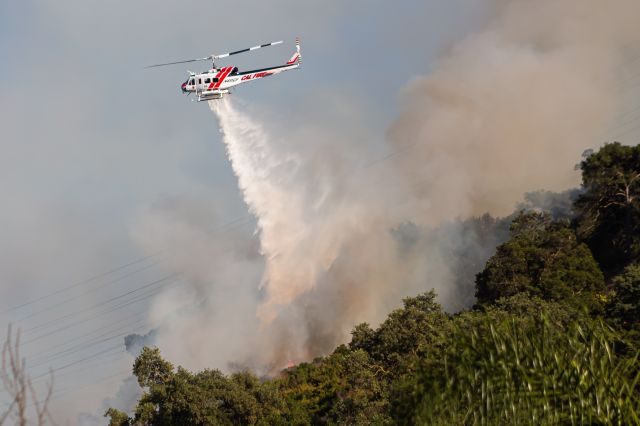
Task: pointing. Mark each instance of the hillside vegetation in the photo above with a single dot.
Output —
(552, 339)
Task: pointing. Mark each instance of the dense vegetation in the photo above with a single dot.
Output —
(552, 339)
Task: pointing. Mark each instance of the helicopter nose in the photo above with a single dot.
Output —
(184, 87)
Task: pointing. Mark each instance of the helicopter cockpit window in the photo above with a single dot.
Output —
(190, 82)
(234, 71)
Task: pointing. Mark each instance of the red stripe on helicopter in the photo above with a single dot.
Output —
(217, 76)
(229, 70)
(225, 73)
(293, 60)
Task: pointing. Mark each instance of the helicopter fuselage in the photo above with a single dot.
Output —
(215, 83)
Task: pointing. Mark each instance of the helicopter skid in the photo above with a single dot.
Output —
(213, 94)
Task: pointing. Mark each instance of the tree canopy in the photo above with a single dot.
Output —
(542, 258)
(609, 207)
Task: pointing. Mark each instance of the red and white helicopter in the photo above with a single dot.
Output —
(216, 82)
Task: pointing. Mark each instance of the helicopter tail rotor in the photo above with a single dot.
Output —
(296, 59)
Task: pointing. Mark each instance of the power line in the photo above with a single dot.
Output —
(82, 346)
(104, 312)
(627, 132)
(110, 282)
(65, 391)
(236, 222)
(58, 394)
(153, 283)
(88, 366)
(80, 283)
(98, 354)
(92, 332)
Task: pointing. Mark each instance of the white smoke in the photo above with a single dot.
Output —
(326, 240)
(209, 319)
(507, 110)
(511, 108)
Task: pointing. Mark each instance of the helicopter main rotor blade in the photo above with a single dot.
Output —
(181, 62)
(248, 49)
(212, 57)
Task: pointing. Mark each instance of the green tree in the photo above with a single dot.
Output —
(362, 337)
(151, 369)
(624, 304)
(342, 388)
(117, 417)
(177, 396)
(542, 258)
(408, 334)
(204, 398)
(609, 208)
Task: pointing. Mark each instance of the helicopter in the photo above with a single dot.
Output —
(216, 82)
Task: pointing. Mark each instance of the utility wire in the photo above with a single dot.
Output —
(112, 349)
(234, 223)
(97, 305)
(94, 331)
(104, 312)
(83, 346)
(80, 283)
(110, 282)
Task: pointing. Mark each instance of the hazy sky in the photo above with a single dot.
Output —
(89, 140)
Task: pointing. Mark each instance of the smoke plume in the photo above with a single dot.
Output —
(511, 109)
(326, 240)
(505, 111)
